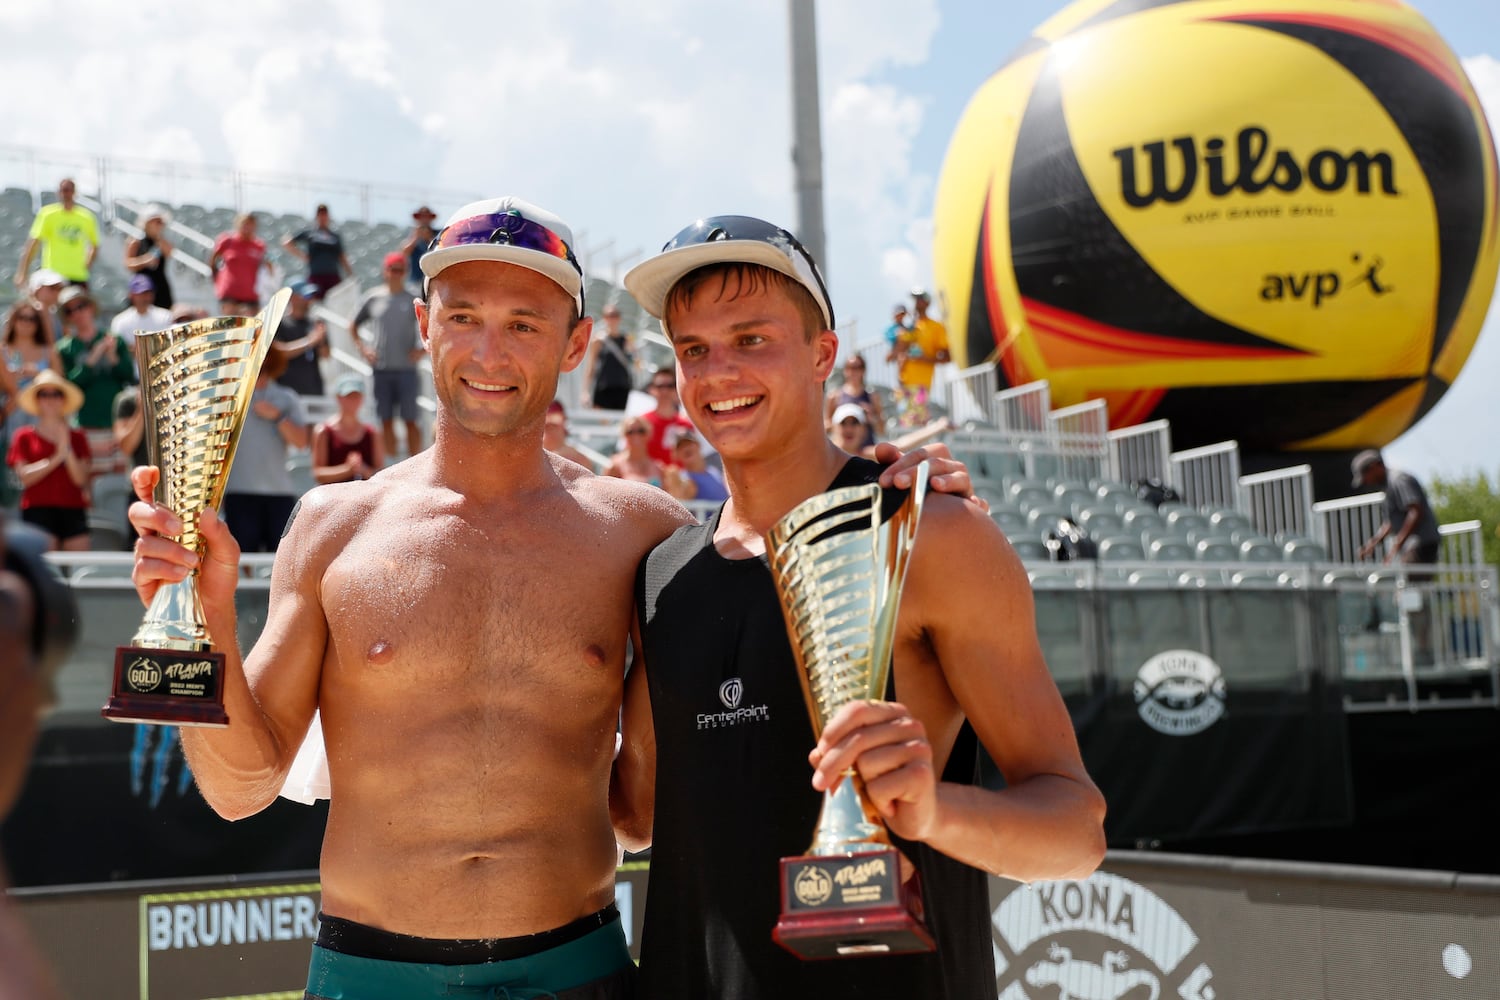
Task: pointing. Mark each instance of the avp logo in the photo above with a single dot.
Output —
(1180, 692)
(731, 691)
(1317, 287)
(1104, 939)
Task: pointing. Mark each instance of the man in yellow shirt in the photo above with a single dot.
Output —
(69, 236)
(921, 349)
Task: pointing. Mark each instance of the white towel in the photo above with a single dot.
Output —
(307, 781)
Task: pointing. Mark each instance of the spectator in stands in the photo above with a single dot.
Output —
(689, 476)
(392, 350)
(610, 374)
(46, 286)
(142, 315)
(416, 244)
(555, 436)
(855, 391)
(237, 259)
(98, 363)
(129, 431)
(322, 249)
(851, 430)
(69, 237)
(344, 447)
(51, 458)
(894, 333)
(920, 351)
(633, 461)
(666, 421)
(29, 350)
(149, 254)
(260, 493)
(1417, 539)
(304, 340)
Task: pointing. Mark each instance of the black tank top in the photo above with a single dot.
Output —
(157, 272)
(615, 359)
(734, 795)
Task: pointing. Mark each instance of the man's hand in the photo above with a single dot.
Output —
(946, 473)
(266, 410)
(159, 559)
(889, 749)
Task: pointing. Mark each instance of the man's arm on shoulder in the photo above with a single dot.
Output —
(973, 604)
(632, 781)
(271, 697)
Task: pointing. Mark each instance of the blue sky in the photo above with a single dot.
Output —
(630, 118)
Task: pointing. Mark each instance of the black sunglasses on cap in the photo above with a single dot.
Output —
(749, 229)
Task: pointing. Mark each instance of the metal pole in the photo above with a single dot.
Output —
(807, 143)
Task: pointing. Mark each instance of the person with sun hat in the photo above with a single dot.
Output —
(51, 458)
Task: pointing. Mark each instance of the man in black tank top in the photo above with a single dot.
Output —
(715, 766)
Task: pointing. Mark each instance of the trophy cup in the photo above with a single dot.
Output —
(196, 383)
(839, 572)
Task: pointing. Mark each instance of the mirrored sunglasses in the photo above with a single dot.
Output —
(506, 229)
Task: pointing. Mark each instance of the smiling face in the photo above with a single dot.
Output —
(749, 376)
(499, 335)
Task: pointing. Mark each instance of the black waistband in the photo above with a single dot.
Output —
(362, 941)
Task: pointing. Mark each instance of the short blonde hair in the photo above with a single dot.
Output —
(736, 278)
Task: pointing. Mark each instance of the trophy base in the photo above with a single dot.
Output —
(848, 905)
(167, 687)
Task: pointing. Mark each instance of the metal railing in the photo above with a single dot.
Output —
(1280, 502)
(1347, 523)
(1080, 435)
(969, 394)
(174, 182)
(1141, 452)
(1209, 476)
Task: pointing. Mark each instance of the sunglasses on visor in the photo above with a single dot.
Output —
(507, 229)
(745, 227)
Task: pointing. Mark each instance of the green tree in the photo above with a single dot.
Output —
(1470, 498)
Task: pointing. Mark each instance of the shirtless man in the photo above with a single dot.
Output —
(459, 620)
(751, 324)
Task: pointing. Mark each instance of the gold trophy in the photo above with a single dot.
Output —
(839, 572)
(196, 383)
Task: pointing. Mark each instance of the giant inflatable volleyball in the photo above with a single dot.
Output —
(1273, 221)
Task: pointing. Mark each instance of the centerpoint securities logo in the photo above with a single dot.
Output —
(731, 693)
(1180, 692)
(1106, 938)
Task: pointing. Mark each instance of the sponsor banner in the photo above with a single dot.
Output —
(226, 939)
(196, 944)
(1175, 926)
(1168, 927)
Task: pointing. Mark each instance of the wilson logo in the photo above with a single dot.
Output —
(1173, 167)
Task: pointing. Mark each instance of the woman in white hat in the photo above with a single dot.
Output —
(149, 253)
(52, 460)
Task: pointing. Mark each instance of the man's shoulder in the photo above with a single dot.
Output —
(637, 505)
